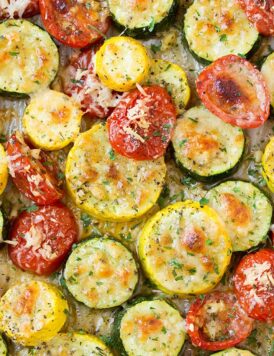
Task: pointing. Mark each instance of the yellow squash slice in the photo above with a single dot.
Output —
(52, 120)
(268, 164)
(121, 63)
(32, 312)
(185, 249)
(3, 169)
(107, 185)
(173, 78)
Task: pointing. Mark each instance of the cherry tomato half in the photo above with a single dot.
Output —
(75, 23)
(43, 238)
(235, 91)
(261, 14)
(217, 322)
(141, 126)
(28, 10)
(254, 284)
(29, 175)
(81, 82)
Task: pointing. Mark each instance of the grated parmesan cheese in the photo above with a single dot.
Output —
(14, 7)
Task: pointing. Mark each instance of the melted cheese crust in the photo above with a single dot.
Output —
(245, 211)
(206, 145)
(138, 14)
(121, 63)
(152, 328)
(52, 120)
(32, 312)
(215, 28)
(185, 248)
(173, 79)
(3, 169)
(101, 273)
(267, 71)
(73, 344)
(29, 58)
(108, 185)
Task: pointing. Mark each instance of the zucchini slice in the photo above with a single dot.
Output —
(268, 164)
(205, 146)
(185, 249)
(107, 185)
(173, 79)
(52, 120)
(3, 347)
(267, 71)
(215, 28)
(140, 18)
(32, 312)
(72, 344)
(121, 63)
(4, 173)
(245, 210)
(29, 58)
(234, 352)
(149, 327)
(101, 273)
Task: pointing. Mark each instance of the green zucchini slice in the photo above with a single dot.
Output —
(245, 210)
(139, 18)
(149, 327)
(205, 146)
(29, 58)
(267, 71)
(234, 352)
(3, 347)
(215, 28)
(101, 273)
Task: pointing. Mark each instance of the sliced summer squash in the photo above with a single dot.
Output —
(268, 164)
(121, 63)
(234, 352)
(108, 185)
(215, 28)
(72, 344)
(101, 273)
(3, 347)
(32, 312)
(29, 58)
(267, 71)
(139, 18)
(52, 120)
(149, 327)
(245, 210)
(185, 249)
(205, 146)
(4, 173)
(173, 78)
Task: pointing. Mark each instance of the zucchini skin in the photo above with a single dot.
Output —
(119, 314)
(145, 32)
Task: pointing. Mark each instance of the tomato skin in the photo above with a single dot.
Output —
(261, 14)
(29, 175)
(155, 132)
(94, 108)
(31, 10)
(241, 99)
(72, 23)
(232, 318)
(245, 292)
(56, 226)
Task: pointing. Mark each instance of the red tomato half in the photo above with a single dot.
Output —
(261, 13)
(235, 91)
(75, 23)
(44, 238)
(142, 124)
(81, 82)
(31, 9)
(254, 284)
(217, 322)
(29, 175)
